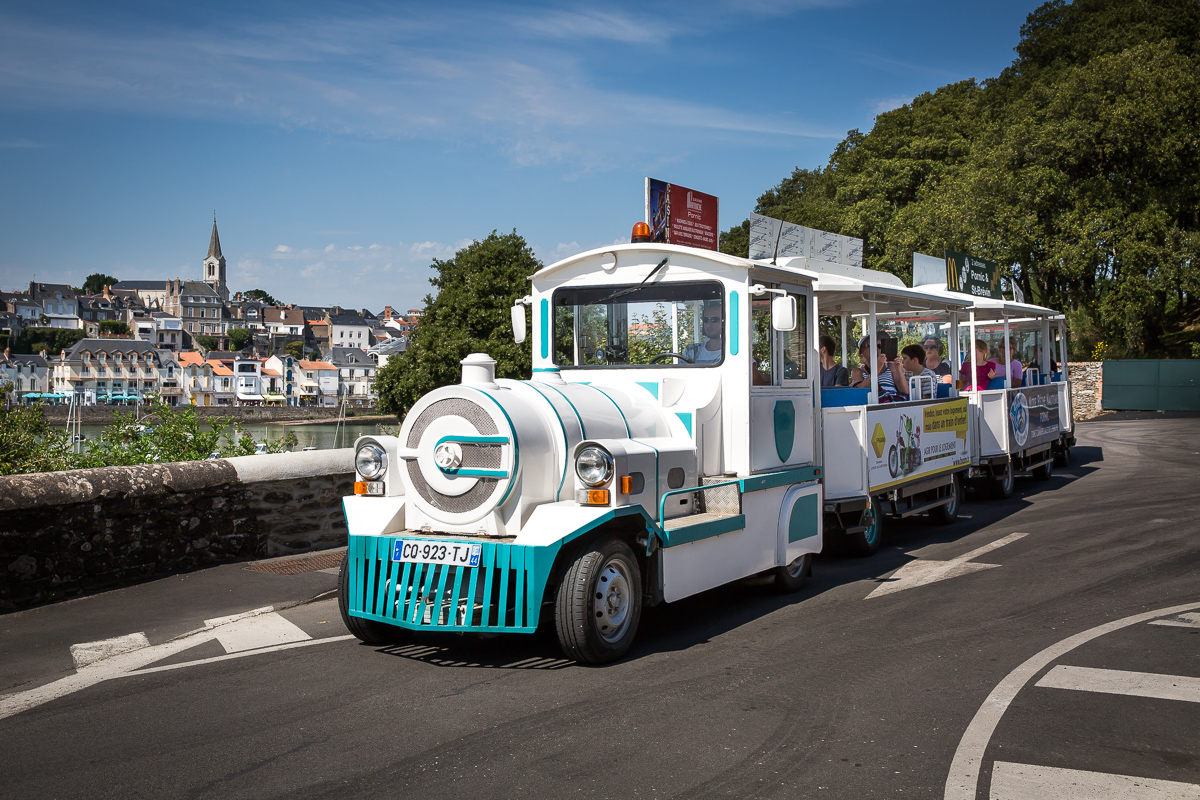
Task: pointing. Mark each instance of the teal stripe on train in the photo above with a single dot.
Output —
(502, 594)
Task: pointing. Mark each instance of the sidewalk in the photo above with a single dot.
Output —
(37, 641)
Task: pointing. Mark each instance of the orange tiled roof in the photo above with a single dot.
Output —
(188, 358)
(316, 365)
(220, 369)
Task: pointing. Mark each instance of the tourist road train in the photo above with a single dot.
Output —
(674, 437)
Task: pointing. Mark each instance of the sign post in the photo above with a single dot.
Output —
(678, 215)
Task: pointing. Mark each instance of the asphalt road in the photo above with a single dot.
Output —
(738, 692)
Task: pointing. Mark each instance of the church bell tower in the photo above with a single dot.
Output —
(214, 266)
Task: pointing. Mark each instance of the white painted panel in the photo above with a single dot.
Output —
(689, 569)
(764, 455)
(787, 552)
(845, 467)
(993, 422)
(1033, 782)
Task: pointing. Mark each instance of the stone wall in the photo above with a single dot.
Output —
(68, 533)
(57, 414)
(1087, 384)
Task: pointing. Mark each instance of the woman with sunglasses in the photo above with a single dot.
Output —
(709, 351)
(891, 376)
(934, 361)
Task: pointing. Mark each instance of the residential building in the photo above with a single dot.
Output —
(273, 385)
(356, 375)
(199, 307)
(152, 294)
(29, 376)
(318, 383)
(197, 379)
(348, 330)
(248, 376)
(247, 314)
(288, 368)
(318, 332)
(60, 305)
(381, 352)
(168, 332)
(222, 382)
(286, 321)
(115, 370)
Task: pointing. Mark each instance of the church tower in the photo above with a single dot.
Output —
(214, 266)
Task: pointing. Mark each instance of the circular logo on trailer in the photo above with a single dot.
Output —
(1019, 414)
(447, 456)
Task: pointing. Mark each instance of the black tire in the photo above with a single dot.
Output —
(367, 631)
(948, 512)
(1062, 456)
(865, 543)
(894, 461)
(1043, 472)
(793, 577)
(1002, 487)
(599, 603)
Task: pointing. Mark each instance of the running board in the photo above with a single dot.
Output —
(921, 509)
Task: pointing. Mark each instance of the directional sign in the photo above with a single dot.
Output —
(973, 276)
(921, 572)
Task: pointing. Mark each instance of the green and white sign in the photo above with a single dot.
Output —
(973, 276)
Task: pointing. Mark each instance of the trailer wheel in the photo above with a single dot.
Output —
(792, 577)
(948, 512)
(1042, 473)
(865, 543)
(367, 631)
(1062, 456)
(599, 603)
(1003, 486)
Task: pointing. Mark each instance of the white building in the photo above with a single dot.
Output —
(248, 381)
(318, 383)
(349, 330)
(27, 375)
(356, 375)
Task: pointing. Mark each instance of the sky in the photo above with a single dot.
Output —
(345, 146)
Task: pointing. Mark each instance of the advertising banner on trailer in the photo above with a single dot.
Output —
(677, 215)
(1033, 417)
(908, 441)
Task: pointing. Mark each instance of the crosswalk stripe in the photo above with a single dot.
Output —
(263, 630)
(1032, 782)
(1115, 681)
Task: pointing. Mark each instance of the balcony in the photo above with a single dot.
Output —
(170, 391)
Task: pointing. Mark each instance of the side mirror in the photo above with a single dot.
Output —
(518, 323)
(783, 313)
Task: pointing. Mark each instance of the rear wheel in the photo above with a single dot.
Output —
(866, 542)
(367, 631)
(1062, 456)
(1042, 472)
(948, 512)
(1003, 486)
(792, 577)
(599, 603)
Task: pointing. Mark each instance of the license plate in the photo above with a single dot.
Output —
(420, 551)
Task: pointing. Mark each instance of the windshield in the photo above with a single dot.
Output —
(668, 324)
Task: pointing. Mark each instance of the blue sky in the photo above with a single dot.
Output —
(345, 145)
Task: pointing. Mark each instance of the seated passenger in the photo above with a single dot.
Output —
(913, 361)
(832, 373)
(977, 377)
(860, 377)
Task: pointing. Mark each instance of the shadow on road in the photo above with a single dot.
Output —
(696, 620)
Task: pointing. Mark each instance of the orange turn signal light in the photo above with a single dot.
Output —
(627, 484)
(598, 497)
(360, 487)
(641, 233)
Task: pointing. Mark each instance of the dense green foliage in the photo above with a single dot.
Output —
(260, 295)
(162, 433)
(95, 283)
(52, 340)
(1077, 168)
(470, 314)
(208, 342)
(295, 349)
(114, 326)
(239, 338)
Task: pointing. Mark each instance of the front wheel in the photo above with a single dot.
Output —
(1042, 472)
(948, 512)
(599, 603)
(893, 461)
(866, 542)
(1003, 485)
(792, 577)
(367, 631)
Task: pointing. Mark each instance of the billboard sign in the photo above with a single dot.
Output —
(974, 276)
(1033, 417)
(678, 215)
(909, 441)
(771, 239)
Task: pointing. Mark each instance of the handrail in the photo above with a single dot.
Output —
(917, 381)
(662, 502)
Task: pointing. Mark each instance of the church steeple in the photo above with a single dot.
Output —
(214, 265)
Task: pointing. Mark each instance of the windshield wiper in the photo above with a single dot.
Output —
(632, 289)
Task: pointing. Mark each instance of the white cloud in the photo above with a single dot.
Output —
(329, 247)
(283, 248)
(890, 103)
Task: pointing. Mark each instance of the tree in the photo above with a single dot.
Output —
(469, 314)
(295, 350)
(239, 338)
(114, 327)
(95, 283)
(52, 340)
(27, 442)
(261, 296)
(208, 342)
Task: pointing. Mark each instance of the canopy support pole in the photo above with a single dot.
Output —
(952, 344)
(971, 350)
(845, 363)
(873, 355)
(1008, 381)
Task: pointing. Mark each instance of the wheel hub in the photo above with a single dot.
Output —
(611, 601)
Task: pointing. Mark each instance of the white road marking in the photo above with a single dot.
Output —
(331, 570)
(91, 652)
(1180, 621)
(258, 628)
(1031, 782)
(258, 632)
(1115, 681)
(963, 779)
(922, 572)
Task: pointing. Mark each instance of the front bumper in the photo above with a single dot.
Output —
(501, 595)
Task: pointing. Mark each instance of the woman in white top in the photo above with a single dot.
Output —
(711, 350)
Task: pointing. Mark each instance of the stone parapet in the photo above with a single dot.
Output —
(1087, 388)
(67, 533)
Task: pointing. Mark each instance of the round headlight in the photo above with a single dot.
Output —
(594, 466)
(370, 461)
